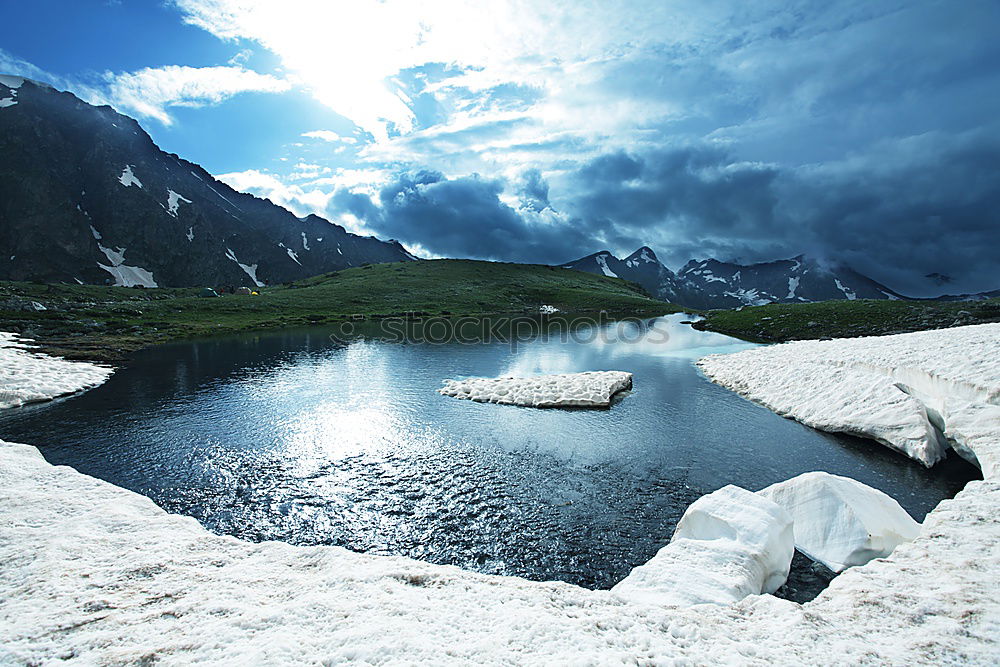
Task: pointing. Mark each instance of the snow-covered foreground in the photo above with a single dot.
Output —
(27, 377)
(92, 573)
(593, 389)
(906, 391)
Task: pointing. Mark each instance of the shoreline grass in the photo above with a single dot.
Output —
(109, 323)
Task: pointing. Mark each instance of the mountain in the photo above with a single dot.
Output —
(86, 196)
(713, 284)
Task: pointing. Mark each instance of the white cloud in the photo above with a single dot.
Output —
(348, 54)
(151, 91)
(329, 135)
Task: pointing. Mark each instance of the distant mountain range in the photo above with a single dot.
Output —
(710, 283)
(86, 196)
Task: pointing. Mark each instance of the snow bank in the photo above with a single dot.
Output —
(100, 575)
(27, 377)
(841, 522)
(592, 389)
(729, 544)
(894, 389)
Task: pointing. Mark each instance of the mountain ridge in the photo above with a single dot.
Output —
(86, 196)
(710, 283)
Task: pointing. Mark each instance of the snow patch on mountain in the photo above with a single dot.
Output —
(750, 297)
(190, 234)
(124, 275)
(174, 201)
(851, 296)
(96, 234)
(602, 262)
(793, 284)
(249, 269)
(305, 242)
(127, 178)
(12, 82)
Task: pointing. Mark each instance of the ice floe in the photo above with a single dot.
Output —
(593, 389)
(896, 389)
(28, 377)
(841, 522)
(729, 544)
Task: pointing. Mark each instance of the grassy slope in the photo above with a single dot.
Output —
(106, 323)
(841, 319)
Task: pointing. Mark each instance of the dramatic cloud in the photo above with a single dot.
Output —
(529, 131)
(523, 131)
(151, 91)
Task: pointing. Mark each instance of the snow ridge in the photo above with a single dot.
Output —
(897, 389)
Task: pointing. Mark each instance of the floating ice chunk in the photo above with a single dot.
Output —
(729, 544)
(593, 389)
(841, 522)
(127, 178)
(174, 201)
(547, 310)
(28, 377)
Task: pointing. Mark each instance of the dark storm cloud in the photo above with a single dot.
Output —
(465, 217)
(921, 206)
(854, 131)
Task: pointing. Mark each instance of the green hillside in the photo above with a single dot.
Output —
(778, 322)
(92, 322)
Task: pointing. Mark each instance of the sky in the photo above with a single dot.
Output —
(853, 131)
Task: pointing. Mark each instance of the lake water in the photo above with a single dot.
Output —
(297, 437)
